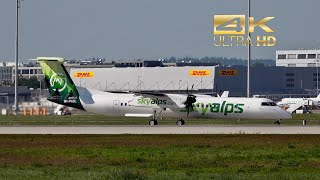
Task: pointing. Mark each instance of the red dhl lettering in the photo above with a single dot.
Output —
(228, 72)
(83, 74)
(199, 72)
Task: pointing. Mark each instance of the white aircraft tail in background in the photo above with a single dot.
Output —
(224, 94)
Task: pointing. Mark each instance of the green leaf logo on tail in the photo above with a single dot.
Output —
(58, 82)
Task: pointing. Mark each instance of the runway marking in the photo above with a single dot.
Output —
(160, 129)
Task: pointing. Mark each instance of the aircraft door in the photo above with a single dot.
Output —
(116, 104)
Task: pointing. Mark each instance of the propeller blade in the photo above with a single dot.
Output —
(188, 109)
(191, 99)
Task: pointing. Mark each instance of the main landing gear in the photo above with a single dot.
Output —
(154, 122)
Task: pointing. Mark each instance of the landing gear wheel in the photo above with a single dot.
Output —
(180, 122)
(153, 122)
(277, 122)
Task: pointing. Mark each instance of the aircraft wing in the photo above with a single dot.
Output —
(149, 94)
(139, 93)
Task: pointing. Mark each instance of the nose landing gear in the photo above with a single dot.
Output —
(277, 122)
(180, 122)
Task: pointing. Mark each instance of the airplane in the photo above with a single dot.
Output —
(306, 101)
(63, 91)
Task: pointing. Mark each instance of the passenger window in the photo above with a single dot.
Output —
(125, 104)
(121, 104)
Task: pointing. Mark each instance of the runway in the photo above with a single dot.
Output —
(221, 129)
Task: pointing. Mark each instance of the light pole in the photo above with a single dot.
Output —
(249, 53)
(16, 59)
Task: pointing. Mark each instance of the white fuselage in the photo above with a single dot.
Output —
(172, 105)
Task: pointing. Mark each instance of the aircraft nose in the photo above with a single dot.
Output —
(286, 115)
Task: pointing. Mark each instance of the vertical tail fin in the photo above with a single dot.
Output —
(61, 87)
(318, 97)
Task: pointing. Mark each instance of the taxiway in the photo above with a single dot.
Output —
(225, 129)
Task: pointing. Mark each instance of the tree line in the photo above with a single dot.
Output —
(221, 60)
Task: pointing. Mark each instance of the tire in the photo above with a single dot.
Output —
(153, 123)
(179, 122)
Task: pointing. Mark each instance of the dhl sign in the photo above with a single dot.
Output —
(228, 72)
(199, 72)
(83, 74)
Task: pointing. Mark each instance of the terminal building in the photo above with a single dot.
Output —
(298, 58)
(5, 74)
(273, 81)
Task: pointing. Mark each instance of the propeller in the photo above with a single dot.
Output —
(189, 102)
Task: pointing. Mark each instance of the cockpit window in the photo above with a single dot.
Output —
(268, 104)
(273, 104)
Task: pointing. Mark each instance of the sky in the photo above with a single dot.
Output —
(147, 29)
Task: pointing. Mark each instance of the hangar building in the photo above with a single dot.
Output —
(301, 81)
(164, 79)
